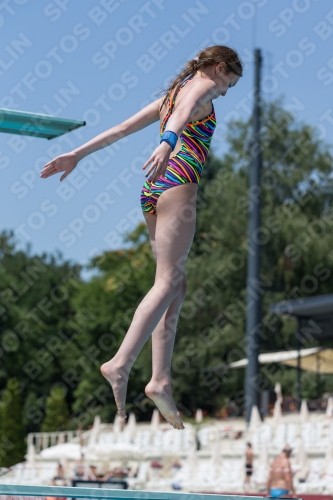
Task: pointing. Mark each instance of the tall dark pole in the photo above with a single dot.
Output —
(253, 296)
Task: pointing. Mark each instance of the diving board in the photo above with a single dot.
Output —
(68, 491)
(36, 124)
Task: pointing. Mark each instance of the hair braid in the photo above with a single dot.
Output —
(207, 57)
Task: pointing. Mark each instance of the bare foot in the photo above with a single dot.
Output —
(118, 378)
(160, 393)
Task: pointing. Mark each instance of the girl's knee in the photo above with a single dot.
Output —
(181, 290)
(170, 287)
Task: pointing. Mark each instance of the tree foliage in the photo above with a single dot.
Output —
(57, 413)
(12, 432)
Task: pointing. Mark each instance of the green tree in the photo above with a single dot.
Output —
(57, 413)
(12, 445)
(37, 322)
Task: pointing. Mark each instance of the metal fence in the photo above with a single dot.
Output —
(12, 490)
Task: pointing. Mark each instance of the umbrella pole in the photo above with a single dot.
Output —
(299, 382)
(318, 372)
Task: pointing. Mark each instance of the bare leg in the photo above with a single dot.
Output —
(163, 338)
(175, 227)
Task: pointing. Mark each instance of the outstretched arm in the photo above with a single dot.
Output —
(67, 162)
(140, 120)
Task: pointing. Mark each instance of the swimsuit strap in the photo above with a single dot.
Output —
(171, 101)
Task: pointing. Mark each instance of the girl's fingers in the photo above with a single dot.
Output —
(155, 170)
(50, 168)
(46, 173)
(151, 169)
(159, 172)
(47, 164)
(156, 175)
(147, 163)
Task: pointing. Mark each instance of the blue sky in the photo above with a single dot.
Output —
(102, 61)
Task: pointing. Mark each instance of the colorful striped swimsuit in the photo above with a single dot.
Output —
(187, 164)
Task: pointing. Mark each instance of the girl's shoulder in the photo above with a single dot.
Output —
(203, 89)
(200, 83)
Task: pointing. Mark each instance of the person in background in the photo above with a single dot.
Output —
(248, 463)
(92, 473)
(60, 472)
(109, 475)
(79, 470)
(280, 481)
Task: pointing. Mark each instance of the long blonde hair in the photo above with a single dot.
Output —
(207, 57)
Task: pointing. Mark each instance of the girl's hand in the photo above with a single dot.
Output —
(63, 163)
(159, 161)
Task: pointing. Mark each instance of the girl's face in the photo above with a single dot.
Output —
(224, 80)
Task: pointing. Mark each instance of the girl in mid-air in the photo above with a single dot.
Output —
(168, 200)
